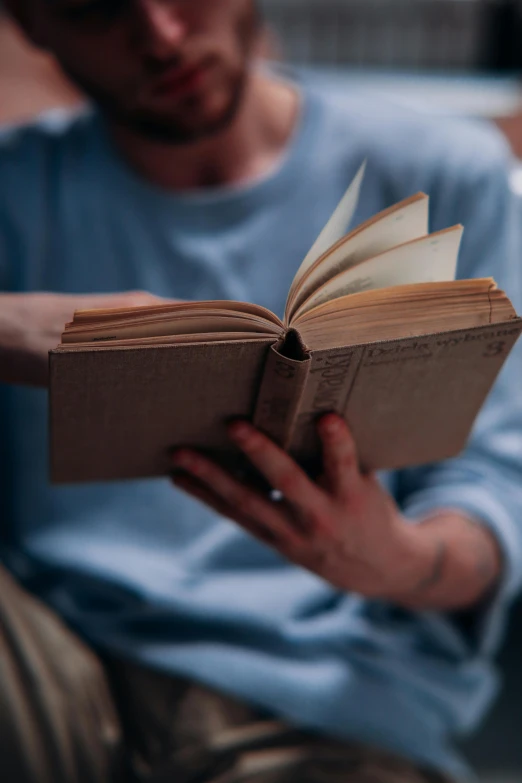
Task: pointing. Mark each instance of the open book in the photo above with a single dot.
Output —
(375, 328)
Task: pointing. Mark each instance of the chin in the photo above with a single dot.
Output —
(200, 115)
(194, 123)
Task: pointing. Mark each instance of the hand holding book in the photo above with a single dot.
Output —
(346, 528)
(31, 324)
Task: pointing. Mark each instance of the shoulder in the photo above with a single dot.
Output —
(56, 127)
(29, 153)
(410, 149)
(36, 160)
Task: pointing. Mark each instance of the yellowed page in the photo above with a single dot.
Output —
(405, 311)
(422, 292)
(394, 226)
(336, 227)
(430, 259)
(130, 319)
(173, 309)
(188, 324)
(172, 339)
(444, 317)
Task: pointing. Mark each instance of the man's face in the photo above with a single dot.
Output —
(173, 70)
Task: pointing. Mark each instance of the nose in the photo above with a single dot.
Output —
(160, 27)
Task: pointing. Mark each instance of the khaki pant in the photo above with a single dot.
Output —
(66, 717)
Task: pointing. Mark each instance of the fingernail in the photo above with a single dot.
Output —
(330, 424)
(240, 430)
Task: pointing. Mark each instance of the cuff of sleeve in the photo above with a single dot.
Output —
(477, 502)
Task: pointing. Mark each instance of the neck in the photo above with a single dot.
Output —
(247, 149)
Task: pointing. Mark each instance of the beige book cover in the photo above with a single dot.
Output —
(376, 328)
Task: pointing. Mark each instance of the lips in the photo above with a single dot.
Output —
(178, 81)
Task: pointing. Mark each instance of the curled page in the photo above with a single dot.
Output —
(430, 259)
(335, 228)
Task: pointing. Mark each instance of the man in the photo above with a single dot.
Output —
(343, 633)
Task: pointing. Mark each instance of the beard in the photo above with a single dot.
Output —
(184, 130)
(188, 122)
(195, 117)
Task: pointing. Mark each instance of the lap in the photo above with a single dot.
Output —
(65, 717)
(58, 723)
(182, 732)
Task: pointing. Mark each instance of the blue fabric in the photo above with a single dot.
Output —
(143, 571)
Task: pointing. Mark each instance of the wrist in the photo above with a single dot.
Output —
(454, 563)
(10, 321)
(421, 558)
(20, 361)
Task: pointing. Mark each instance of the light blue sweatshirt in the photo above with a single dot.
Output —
(143, 571)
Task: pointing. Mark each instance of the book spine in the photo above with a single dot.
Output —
(329, 383)
(280, 394)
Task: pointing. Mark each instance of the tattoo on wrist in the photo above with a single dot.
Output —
(435, 575)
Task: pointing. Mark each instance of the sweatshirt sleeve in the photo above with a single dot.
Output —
(485, 481)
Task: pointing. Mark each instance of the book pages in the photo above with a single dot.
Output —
(430, 259)
(336, 227)
(199, 322)
(394, 226)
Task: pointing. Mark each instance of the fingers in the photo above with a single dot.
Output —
(339, 457)
(118, 301)
(201, 493)
(142, 298)
(124, 299)
(280, 470)
(247, 506)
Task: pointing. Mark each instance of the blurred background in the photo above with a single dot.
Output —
(468, 35)
(460, 56)
(444, 56)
